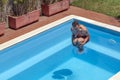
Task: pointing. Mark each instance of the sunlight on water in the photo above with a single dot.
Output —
(112, 41)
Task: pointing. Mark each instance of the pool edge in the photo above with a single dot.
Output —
(48, 26)
(115, 77)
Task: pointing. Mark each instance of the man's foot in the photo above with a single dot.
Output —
(80, 50)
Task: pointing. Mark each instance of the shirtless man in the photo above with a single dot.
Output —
(80, 35)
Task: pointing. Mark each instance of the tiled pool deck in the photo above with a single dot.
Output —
(10, 34)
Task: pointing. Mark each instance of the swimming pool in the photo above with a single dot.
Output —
(50, 54)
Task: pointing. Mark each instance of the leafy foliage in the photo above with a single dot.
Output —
(50, 1)
(2, 9)
(20, 7)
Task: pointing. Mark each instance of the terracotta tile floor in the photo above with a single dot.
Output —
(10, 34)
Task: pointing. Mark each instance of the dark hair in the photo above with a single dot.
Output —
(75, 23)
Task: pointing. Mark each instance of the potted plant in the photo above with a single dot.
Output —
(23, 13)
(2, 16)
(50, 7)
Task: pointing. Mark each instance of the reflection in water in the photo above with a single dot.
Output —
(75, 51)
(112, 41)
(62, 74)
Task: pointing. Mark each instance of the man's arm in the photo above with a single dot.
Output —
(86, 39)
(83, 27)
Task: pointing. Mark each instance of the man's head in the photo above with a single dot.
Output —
(75, 23)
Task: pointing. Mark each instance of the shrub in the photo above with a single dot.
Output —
(50, 1)
(20, 7)
(2, 10)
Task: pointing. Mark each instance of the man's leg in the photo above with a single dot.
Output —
(74, 41)
(80, 46)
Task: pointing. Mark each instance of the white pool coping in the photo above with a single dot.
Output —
(53, 24)
(115, 77)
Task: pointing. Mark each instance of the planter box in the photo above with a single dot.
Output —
(20, 21)
(2, 28)
(51, 9)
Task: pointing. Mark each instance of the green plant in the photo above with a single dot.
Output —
(20, 7)
(108, 7)
(2, 10)
(32, 5)
(50, 1)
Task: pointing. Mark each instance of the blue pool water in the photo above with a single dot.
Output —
(51, 56)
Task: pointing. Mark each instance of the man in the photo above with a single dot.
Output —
(80, 35)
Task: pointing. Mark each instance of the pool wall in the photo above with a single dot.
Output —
(105, 37)
(17, 60)
(45, 66)
(41, 29)
(99, 58)
(32, 51)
